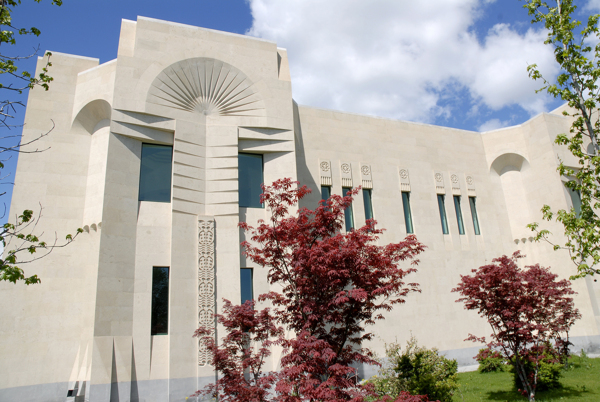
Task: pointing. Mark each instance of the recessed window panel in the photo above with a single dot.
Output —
(348, 215)
(325, 192)
(160, 301)
(155, 173)
(407, 213)
(575, 200)
(368, 204)
(250, 178)
(246, 284)
(442, 208)
(474, 215)
(459, 218)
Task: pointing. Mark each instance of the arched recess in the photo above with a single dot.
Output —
(93, 113)
(512, 170)
(93, 120)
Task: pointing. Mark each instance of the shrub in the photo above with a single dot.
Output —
(490, 361)
(549, 370)
(417, 370)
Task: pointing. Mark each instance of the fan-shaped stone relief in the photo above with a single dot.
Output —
(207, 86)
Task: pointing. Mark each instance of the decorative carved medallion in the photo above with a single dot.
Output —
(366, 178)
(469, 180)
(325, 166)
(345, 168)
(206, 283)
(404, 173)
(438, 177)
(207, 86)
(454, 178)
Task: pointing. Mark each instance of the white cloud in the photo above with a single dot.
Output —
(492, 124)
(498, 69)
(593, 5)
(393, 58)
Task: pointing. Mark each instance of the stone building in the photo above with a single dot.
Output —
(158, 155)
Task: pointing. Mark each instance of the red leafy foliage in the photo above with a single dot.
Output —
(238, 360)
(332, 284)
(528, 310)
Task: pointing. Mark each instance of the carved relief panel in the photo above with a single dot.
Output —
(206, 283)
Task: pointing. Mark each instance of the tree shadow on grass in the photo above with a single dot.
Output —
(565, 392)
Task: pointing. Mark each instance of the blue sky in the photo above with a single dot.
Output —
(456, 63)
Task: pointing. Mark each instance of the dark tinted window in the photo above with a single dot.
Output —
(575, 200)
(325, 192)
(348, 216)
(155, 173)
(160, 301)
(246, 284)
(474, 215)
(459, 219)
(250, 177)
(368, 204)
(407, 213)
(442, 207)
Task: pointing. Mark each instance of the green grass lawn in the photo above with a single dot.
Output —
(580, 382)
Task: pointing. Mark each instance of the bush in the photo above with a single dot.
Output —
(549, 373)
(419, 371)
(490, 361)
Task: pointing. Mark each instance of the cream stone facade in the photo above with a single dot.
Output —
(84, 333)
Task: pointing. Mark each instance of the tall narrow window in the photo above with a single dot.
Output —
(160, 301)
(348, 216)
(575, 200)
(368, 204)
(325, 192)
(247, 284)
(442, 207)
(250, 177)
(474, 215)
(459, 218)
(155, 173)
(407, 214)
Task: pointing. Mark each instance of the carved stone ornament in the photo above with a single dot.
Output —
(206, 283)
(404, 179)
(440, 188)
(346, 170)
(455, 184)
(325, 173)
(471, 186)
(365, 177)
(206, 86)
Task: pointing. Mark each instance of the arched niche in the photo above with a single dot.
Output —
(512, 169)
(509, 162)
(95, 113)
(93, 121)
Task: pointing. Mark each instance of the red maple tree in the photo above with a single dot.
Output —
(528, 309)
(332, 284)
(238, 361)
